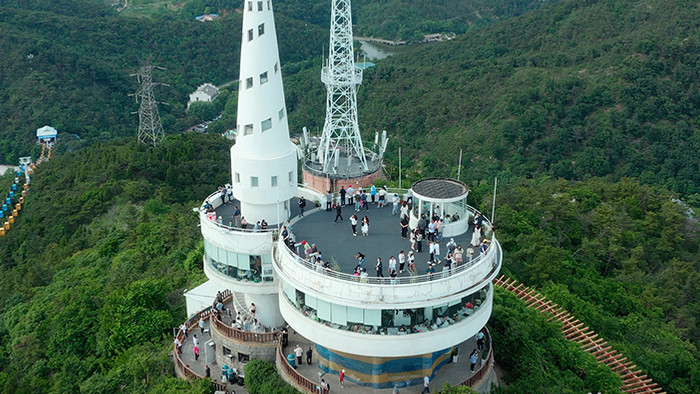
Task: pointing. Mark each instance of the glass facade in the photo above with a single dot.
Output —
(453, 210)
(386, 321)
(239, 266)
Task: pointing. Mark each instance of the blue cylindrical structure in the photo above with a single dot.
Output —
(12, 195)
(8, 201)
(14, 186)
(292, 360)
(4, 207)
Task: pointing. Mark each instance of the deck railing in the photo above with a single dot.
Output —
(215, 202)
(485, 366)
(183, 369)
(242, 335)
(490, 255)
(299, 381)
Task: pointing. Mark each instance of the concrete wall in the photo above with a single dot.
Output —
(263, 351)
(322, 184)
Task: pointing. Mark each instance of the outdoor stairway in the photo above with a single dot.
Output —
(633, 380)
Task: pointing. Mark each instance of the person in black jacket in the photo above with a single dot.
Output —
(338, 213)
(302, 205)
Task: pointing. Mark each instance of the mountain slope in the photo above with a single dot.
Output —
(575, 89)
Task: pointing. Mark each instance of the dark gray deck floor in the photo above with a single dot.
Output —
(226, 210)
(336, 242)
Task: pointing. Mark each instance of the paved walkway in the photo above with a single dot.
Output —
(454, 373)
(206, 356)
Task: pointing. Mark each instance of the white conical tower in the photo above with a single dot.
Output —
(263, 159)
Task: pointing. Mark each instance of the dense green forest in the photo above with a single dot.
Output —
(68, 63)
(574, 90)
(622, 257)
(93, 271)
(78, 75)
(410, 20)
(588, 112)
(107, 238)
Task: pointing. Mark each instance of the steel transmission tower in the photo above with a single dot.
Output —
(150, 127)
(341, 134)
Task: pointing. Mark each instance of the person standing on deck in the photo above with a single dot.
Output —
(342, 195)
(329, 201)
(302, 205)
(379, 267)
(353, 224)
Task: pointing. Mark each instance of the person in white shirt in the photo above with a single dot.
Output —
(395, 201)
(392, 264)
(298, 352)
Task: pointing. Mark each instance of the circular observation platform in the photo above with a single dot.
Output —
(430, 312)
(233, 253)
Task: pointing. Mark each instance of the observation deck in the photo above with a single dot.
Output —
(234, 253)
(238, 258)
(425, 312)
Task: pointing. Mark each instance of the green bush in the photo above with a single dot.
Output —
(261, 378)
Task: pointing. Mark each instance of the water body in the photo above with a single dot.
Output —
(376, 51)
(4, 168)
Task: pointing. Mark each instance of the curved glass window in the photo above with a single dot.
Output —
(386, 321)
(239, 266)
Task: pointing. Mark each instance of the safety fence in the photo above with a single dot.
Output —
(633, 379)
(183, 369)
(485, 367)
(297, 380)
(242, 335)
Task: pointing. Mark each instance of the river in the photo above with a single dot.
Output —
(377, 51)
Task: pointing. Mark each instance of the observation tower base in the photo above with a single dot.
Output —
(383, 372)
(316, 179)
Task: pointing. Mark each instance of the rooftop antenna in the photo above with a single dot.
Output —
(150, 127)
(341, 132)
(493, 206)
(459, 166)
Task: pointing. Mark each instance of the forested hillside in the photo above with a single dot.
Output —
(410, 20)
(93, 271)
(71, 69)
(588, 111)
(68, 63)
(574, 90)
(622, 257)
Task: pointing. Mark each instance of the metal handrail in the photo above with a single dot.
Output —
(390, 190)
(485, 366)
(202, 216)
(247, 336)
(299, 381)
(193, 322)
(395, 281)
